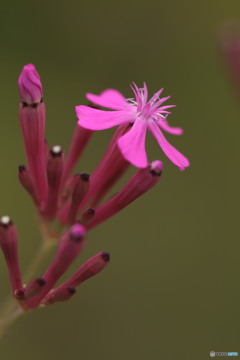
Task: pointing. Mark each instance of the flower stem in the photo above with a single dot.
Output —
(11, 309)
(45, 247)
(8, 320)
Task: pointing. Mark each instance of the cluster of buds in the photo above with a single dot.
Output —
(69, 205)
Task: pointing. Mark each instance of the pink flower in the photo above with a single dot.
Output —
(32, 114)
(142, 113)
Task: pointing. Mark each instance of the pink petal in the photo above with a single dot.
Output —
(173, 154)
(109, 98)
(160, 102)
(137, 95)
(132, 144)
(164, 125)
(94, 119)
(166, 107)
(156, 95)
(145, 93)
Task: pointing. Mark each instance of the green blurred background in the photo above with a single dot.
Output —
(172, 290)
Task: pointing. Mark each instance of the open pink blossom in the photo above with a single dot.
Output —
(142, 113)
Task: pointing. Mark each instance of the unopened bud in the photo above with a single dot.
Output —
(30, 86)
(87, 216)
(60, 295)
(9, 246)
(70, 246)
(140, 183)
(80, 190)
(26, 181)
(110, 169)
(69, 187)
(34, 288)
(90, 268)
(32, 121)
(19, 294)
(55, 164)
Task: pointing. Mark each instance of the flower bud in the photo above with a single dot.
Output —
(55, 165)
(9, 246)
(34, 288)
(141, 182)
(26, 181)
(87, 216)
(70, 246)
(30, 86)
(80, 190)
(32, 120)
(110, 169)
(90, 268)
(60, 295)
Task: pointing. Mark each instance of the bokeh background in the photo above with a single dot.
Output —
(172, 290)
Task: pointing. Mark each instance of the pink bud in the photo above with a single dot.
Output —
(90, 268)
(55, 165)
(141, 182)
(70, 246)
(60, 295)
(9, 245)
(30, 86)
(26, 181)
(110, 169)
(32, 120)
(87, 216)
(68, 188)
(33, 288)
(80, 190)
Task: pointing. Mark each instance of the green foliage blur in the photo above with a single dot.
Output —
(172, 290)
